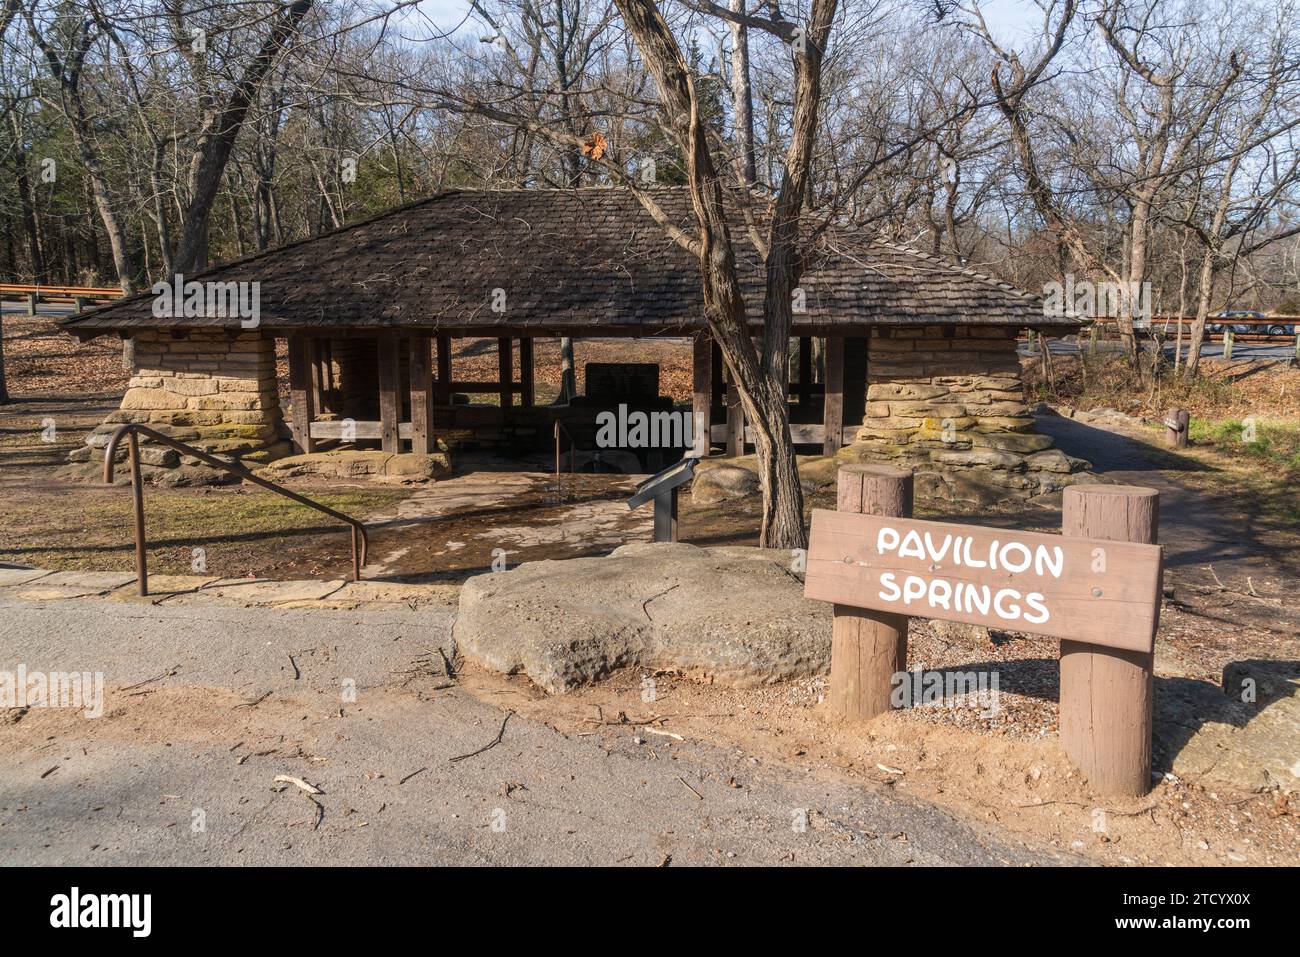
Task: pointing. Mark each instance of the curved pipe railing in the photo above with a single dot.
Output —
(573, 456)
(131, 431)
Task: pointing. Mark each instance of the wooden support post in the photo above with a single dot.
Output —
(1297, 350)
(735, 421)
(390, 373)
(1106, 693)
(868, 647)
(527, 373)
(320, 377)
(31, 303)
(80, 304)
(421, 396)
(805, 370)
(300, 392)
(1092, 339)
(505, 371)
(701, 393)
(833, 409)
(1229, 337)
(442, 387)
(1177, 424)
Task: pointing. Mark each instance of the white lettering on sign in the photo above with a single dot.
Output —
(1024, 581)
(940, 594)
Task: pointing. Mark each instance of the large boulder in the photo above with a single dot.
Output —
(389, 467)
(734, 615)
(722, 482)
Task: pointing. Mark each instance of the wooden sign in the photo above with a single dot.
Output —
(1092, 590)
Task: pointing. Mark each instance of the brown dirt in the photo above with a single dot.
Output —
(1020, 782)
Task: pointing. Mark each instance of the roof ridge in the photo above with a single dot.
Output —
(960, 270)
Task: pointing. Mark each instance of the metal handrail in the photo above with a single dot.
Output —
(359, 540)
(573, 456)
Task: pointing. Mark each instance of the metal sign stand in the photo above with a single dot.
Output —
(662, 489)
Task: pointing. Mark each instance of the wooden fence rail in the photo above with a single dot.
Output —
(80, 296)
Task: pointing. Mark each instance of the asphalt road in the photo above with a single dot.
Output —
(202, 744)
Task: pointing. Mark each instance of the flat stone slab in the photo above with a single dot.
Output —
(734, 615)
(259, 592)
(1207, 732)
(381, 594)
(55, 586)
(10, 577)
(162, 588)
(38, 584)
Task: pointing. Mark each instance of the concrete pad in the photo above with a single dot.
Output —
(10, 577)
(258, 593)
(63, 585)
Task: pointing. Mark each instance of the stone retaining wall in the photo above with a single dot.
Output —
(212, 390)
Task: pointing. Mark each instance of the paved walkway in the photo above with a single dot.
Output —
(190, 590)
(205, 708)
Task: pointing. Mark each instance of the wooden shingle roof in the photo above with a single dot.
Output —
(584, 262)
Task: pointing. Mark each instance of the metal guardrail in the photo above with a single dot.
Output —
(131, 431)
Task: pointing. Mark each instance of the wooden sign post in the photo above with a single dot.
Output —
(868, 647)
(1106, 693)
(1097, 588)
(1177, 423)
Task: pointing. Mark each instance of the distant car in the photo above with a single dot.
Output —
(1238, 328)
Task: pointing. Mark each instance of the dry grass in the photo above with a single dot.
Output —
(1224, 390)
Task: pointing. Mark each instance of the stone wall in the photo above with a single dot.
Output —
(212, 390)
(949, 402)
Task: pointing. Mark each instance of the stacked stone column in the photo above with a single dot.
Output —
(949, 402)
(213, 390)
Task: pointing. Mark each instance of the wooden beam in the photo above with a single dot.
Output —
(371, 429)
(421, 396)
(833, 406)
(702, 393)
(528, 395)
(442, 387)
(505, 371)
(801, 433)
(390, 374)
(300, 392)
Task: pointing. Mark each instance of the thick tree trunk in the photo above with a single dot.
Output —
(28, 214)
(742, 101)
(1204, 289)
(769, 418)
(117, 241)
(217, 139)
